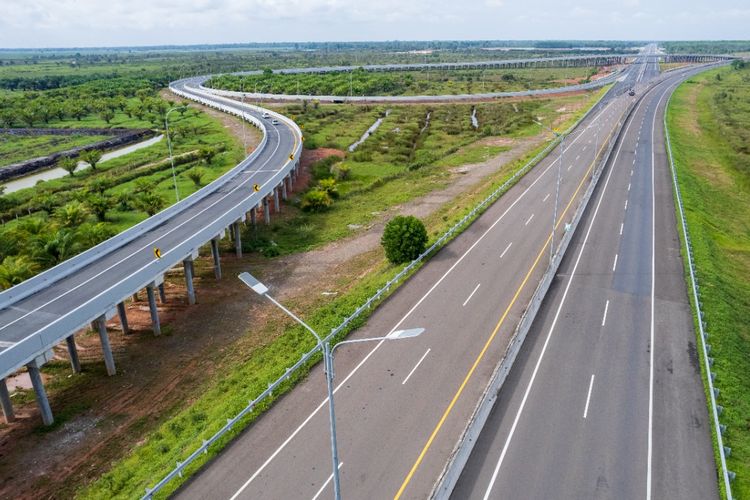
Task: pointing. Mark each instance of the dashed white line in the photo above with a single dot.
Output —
(631, 172)
(471, 295)
(545, 198)
(628, 186)
(626, 204)
(621, 225)
(326, 483)
(506, 249)
(614, 266)
(570, 166)
(416, 366)
(578, 157)
(588, 398)
(529, 220)
(604, 317)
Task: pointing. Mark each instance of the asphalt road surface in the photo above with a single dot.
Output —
(605, 399)
(401, 406)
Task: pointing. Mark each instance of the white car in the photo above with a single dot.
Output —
(275, 121)
(266, 115)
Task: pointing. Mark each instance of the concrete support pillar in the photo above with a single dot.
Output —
(5, 402)
(123, 317)
(162, 294)
(154, 310)
(187, 264)
(254, 216)
(266, 212)
(109, 360)
(283, 189)
(291, 180)
(216, 256)
(135, 297)
(41, 395)
(73, 353)
(276, 206)
(237, 239)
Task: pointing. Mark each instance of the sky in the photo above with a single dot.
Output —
(87, 23)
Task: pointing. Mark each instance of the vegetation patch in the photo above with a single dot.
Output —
(709, 123)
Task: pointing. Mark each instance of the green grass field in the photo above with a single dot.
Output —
(709, 121)
(437, 82)
(15, 148)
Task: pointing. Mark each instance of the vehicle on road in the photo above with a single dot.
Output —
(631, 92)
(266, 115)
(275, 121)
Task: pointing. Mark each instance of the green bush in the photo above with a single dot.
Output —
(404, 239)
(329, 186)
(316, 200)
(340, 171)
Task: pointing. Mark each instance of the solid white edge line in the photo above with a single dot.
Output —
(326, 483)
(552, 327)
(588, 397)
(471, 295)
(413, 308)
(604, 317)
(506, 250)
(416, 366)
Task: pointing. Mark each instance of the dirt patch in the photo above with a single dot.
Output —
(103, 417)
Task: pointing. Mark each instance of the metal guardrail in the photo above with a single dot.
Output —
(726, 474)
(446, 482)
(27, 349)
(372, 300)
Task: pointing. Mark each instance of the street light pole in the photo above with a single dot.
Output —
(557, 189)
(169, 145)
(261, 289)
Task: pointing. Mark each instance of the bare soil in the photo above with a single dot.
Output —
(103, 417)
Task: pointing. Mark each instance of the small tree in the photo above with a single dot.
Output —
(207, 154)
(15, 269)
(150, 203)
(329, 186)
(107, 114)
(72, 214)
(196, 175)
(99, 204)
(404, 239)
(69, 165)
(92, 157)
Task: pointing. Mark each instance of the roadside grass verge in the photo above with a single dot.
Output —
(709, 120)
(180, 433)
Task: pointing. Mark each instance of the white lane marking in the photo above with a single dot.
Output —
(529, 220)
(614, 266)
(604, 317)
(633, 160)
(584, 148)
(552, 328)
(578, 157)
(631, 172)
(570, 166)
(628, 186)
(471, 295)
(588, 397)
(621, 225)
(398, 324)
(241, 185)
(416, 366)
(545, 198)
(326, 483)
(506, 249)
(626, 204)
(5, 343)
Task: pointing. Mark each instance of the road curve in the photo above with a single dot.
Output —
(46, 309)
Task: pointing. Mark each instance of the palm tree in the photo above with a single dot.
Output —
(72, 214)
(92, 157)
(196, 175)
(150, 203)
(99, 204)
(15, 269)
(59, 246)
(69, 165)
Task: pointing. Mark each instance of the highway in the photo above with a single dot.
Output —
(402, 405)
(605, 399)
(61, 298)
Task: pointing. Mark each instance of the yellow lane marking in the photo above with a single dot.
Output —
(492, 336)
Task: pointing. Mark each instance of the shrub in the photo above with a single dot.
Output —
(404, 239)
(340, 171)
(316, 200)
(329, 186)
